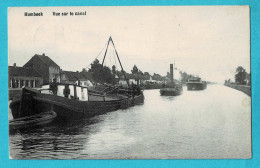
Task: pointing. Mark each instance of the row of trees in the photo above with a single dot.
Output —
(241, 77)
(107, 75)
(185, 77)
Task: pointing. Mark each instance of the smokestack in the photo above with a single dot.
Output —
(15, 65)
(171, 73)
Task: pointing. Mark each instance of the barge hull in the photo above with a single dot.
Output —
(196, 86)
(170, 92)
(33, 103)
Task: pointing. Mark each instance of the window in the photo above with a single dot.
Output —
(10, 84)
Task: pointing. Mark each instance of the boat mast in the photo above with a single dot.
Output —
(110, 39)
(102, 62)
(119, 61)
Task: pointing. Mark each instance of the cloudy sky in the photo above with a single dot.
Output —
(209, 41)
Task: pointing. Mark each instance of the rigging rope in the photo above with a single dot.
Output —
(114, 54)
(96, 56)
(110, 40)
(110, 60)
(115, 58)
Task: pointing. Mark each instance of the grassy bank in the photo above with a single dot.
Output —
(243, 88)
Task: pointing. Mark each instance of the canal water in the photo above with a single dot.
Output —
(213, 123)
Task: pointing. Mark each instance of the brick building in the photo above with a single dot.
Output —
(46, 67)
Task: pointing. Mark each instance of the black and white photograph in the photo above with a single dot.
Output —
(129, 82)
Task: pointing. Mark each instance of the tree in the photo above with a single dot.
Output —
(249, 78)
(134, 70)
(157, 77)
(114, 69)
(106, 75)
(240, 69)
(146, 75)
(103, 75)
(95, 69)
(135, 73)
(240, 77)
(139, 76)
(114, 73)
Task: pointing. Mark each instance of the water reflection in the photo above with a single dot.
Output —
(202, 124)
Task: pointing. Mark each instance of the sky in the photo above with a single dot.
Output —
(208, 41)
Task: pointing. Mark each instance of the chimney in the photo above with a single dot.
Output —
(171, 73)
(43, 54)
(15, 65)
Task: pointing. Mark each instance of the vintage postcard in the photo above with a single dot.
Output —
(129, 82)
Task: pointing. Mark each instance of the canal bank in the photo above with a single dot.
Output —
(243, 88)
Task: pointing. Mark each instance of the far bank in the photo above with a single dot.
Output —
(243, 88)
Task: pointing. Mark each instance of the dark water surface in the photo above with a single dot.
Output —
(213, 123)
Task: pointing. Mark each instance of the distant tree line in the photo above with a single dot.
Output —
(241, 77)
(109, 75)
(185, 77)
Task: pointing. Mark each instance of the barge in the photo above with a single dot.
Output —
(195, 83)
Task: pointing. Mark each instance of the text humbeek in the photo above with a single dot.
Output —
(33, 14)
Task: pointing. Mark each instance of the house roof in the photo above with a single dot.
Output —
(47, 60)
(22, 71)
(87, 75)
(73, 76)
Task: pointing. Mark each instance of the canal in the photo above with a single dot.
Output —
(213, 123)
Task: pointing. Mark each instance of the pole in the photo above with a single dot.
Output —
(119, 62)
(103, 62)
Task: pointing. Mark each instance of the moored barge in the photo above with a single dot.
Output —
(71, 102)
(195, 83)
